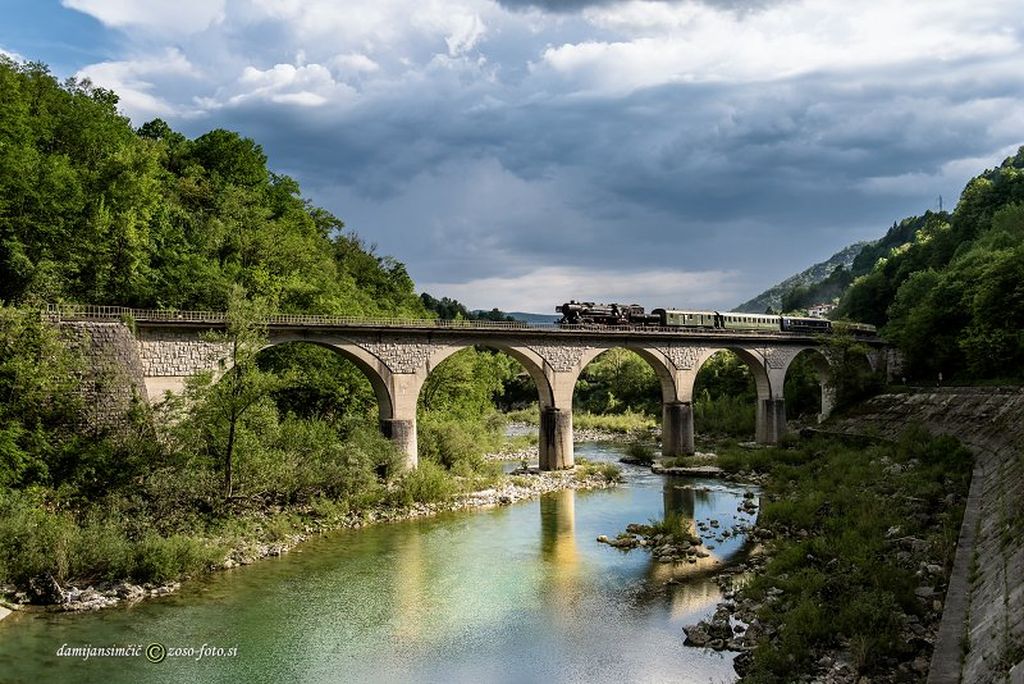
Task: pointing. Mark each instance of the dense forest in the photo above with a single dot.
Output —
(952, 298)
(945, 287)
(838, 281)
(92, 210)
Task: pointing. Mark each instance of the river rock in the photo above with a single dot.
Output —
(924, 592)
(44, 589)
(743, 662)
(696, 635)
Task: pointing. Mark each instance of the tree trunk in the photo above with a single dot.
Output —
(228, 456)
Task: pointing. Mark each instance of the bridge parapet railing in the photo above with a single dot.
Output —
(99, 312)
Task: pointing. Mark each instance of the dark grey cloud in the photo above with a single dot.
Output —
(760, 178)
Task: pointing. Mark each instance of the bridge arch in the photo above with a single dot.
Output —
(370, 366)
(767, 386)
(655, 358)
(555, 449)
(530, 360)
(822, 368)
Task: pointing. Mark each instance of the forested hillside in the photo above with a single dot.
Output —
(953, 298)
(94, 211)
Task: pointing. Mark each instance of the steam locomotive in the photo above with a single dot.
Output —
(591, 314)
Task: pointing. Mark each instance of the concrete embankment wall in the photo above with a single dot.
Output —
(981, 638)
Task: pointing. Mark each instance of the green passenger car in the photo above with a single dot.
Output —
(674, 318)
(742, 321)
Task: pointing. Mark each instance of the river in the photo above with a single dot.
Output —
(521, 593)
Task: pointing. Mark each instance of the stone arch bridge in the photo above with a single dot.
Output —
(398, 355)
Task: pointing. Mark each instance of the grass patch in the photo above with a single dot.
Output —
(726, 415)
(609, 471)
(614, 422)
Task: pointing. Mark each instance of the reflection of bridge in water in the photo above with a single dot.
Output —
(161, 349)
(683, 503)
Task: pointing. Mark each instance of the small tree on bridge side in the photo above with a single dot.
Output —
(218, 406)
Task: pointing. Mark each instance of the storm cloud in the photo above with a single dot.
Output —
(515, 154)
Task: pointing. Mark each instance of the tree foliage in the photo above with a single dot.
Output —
(94, 211)
(952, 300)
(618, 381)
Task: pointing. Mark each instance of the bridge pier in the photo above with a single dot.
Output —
(771, 420)
(676, 428)
(555, 444)
(402, 434)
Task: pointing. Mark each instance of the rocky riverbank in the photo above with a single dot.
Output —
(765, 594)
(736, 626)
(46, 594)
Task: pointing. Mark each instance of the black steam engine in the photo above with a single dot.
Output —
(580, 313)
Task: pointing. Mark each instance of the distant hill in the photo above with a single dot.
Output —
(772, 297)
(831, 279)
(535, 318)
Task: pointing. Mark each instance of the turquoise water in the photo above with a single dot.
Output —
(521, 593)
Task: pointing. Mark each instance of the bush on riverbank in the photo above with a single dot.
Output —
(731, 416)
(853, 526)
(609, 471)
(40, 540)
(624, 423)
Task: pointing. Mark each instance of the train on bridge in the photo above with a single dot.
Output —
(617, 315)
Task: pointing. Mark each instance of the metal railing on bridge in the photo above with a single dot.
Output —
(94, 312)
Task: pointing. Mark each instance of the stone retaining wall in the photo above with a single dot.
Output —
(113, 380)
(981, 638)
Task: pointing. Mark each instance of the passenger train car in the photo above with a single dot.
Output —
(591, 314)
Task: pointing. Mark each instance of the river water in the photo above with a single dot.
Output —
(521, 593)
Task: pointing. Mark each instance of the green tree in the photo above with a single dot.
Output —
(219, 406)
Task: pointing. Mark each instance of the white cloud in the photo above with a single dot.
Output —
(354, 63)
(136, 80)
(12, 55)
(540, 290)
(309, 85)
(656, 43)
(160, 16)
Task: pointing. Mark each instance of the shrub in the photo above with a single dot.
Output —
(725, 415)
(160, 559)
(430, 482)
(641, 452)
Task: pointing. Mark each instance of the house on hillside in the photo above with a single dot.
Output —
(820, 310)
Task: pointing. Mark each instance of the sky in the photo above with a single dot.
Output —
(520, 153)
